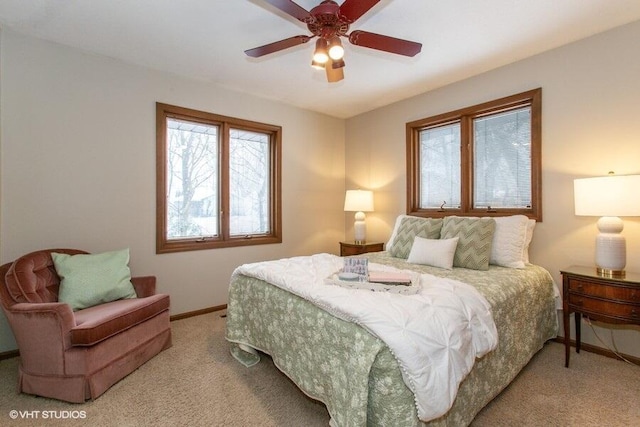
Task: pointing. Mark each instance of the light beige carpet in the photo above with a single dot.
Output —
(197, 383)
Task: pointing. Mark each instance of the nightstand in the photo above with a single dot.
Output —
(349, 248)
(606, 299)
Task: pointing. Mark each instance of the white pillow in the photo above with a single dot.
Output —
(530, 226)
(434, 252)
(509, 241)
(394, 232)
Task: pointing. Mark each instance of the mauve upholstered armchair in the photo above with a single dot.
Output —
(75, 356)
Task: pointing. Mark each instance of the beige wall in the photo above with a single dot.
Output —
(591, 105)
(78, 167)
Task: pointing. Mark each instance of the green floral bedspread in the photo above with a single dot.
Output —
(353, 372)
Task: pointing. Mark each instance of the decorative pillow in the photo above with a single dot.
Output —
(91, 279)
(409, 228)
(509, 241)
(476, 236)
(434, 252)
(394, 232)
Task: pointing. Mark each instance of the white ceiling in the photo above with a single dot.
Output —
(206, 40)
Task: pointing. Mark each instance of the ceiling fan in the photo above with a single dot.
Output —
(329, 21)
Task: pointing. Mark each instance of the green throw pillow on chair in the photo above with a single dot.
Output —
(91, 279)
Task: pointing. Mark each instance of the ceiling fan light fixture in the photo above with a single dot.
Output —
(336, 51)
(317, 65)
(320, 55)
(334, 74)
(337, 64)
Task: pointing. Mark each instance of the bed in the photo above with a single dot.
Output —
(354, 372)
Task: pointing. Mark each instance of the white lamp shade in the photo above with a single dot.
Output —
(358, 201)
(613, 195)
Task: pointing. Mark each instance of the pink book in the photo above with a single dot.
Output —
(389, 277)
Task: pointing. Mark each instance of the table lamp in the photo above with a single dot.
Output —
(359, 201)
(608, 197)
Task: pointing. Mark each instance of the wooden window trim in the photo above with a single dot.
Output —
(224, 240)
(465, 117)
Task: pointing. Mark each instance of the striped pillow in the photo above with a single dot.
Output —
(475, 239)
(410, 227)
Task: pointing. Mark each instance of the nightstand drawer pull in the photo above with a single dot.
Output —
(634, 313)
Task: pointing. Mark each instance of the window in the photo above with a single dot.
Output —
(218, 181)
(482, 160)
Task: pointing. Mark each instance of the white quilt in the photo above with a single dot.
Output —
(435, 335)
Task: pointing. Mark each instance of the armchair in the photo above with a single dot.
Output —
(74, 356)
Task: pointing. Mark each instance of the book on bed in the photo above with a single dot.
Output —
(390, 277)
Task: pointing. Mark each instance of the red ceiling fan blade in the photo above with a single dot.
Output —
(276, 46)
(293, 9)
(354, 9)
(385, 43)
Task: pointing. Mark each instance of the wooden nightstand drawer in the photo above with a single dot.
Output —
(594, 307)
(350, 249)
(619, 293)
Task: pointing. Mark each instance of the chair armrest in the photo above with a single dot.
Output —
(42, 331)
(58, 310)
(145, 286)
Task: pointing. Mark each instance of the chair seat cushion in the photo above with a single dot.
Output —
(100, 322)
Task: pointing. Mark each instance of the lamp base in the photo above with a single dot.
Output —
(360, 242)
(611, 247)
(359, 228)
(611, 274)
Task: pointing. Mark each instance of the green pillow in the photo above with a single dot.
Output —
(91, 279)
(474, 243)
(409, 228)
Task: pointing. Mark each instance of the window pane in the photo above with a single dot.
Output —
(440, 167)
(192, 179)
(502, 160)
(249, 165)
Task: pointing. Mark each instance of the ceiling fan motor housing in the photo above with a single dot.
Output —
(326, 21)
